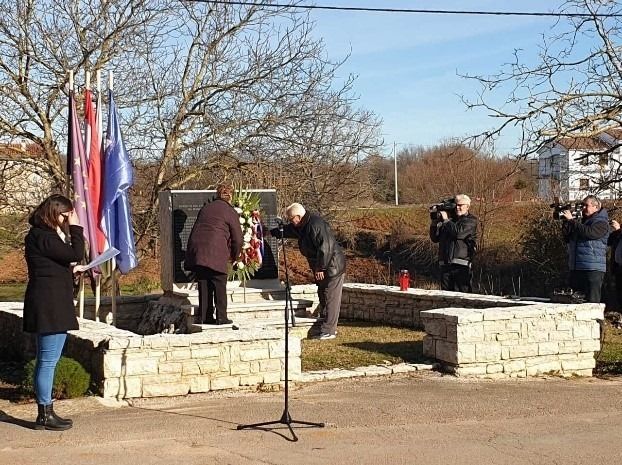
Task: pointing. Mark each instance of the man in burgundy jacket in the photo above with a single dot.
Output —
(216, 238)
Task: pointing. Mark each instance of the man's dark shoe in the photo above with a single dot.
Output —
(224, 321)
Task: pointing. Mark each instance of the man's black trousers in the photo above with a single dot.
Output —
(587, 282)
(456, 278)
(212, 294)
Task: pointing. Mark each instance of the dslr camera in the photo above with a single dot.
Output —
(447, 205)
(576, 209)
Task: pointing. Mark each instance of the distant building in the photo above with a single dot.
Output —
(573, 167)
(23, 179)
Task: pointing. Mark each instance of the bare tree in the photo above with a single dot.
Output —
(575, 88)
(205, 90)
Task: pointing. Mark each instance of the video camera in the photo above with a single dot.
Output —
(447, 205)
(576, 209)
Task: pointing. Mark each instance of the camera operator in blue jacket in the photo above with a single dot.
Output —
(456, 236)
(587, 247)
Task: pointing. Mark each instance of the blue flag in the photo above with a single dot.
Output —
(116, 215)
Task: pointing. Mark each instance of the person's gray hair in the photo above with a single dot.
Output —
(463, 198)
(295, 209)
(593, 200)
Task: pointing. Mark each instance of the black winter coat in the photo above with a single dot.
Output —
(457, 239)
(318, 244)
(48, 304)
(216, 237)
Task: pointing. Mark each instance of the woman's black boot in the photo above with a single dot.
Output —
(69, 421)
(47, 419)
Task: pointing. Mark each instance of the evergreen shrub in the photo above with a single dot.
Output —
(70, 379)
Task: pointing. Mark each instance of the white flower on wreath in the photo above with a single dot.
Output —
(238, 210)
(242, 220)
(247, 237)
(240, 265)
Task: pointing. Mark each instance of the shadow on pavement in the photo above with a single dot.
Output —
(6, 418)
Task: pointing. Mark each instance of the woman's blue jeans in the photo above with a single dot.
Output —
(49, 349)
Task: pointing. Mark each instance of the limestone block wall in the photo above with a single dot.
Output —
(306, 292)
(168, 365)
(14, 343)
(387, 304)
(516, 341)
(125, 365)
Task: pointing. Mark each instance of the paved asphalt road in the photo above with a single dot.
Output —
(417, 419)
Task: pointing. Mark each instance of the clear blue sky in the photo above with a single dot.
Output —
(407, 64)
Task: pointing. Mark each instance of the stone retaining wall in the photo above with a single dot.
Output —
(486, 336)
(516, 341)
(387, 304)
(124, 364)
(469, 334)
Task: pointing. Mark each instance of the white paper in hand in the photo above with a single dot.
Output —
(103, 258)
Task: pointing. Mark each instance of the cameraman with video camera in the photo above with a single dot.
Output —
(455, 231)
(586, 237)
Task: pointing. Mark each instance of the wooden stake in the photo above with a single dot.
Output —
(113, 297)
(98, 292)
(81, 296)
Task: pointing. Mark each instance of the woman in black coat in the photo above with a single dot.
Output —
(54, 243)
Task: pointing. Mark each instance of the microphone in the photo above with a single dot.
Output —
(278, 231)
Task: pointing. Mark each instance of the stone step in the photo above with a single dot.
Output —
(254, 291)
(305, 327)
(272, 309)
(251, 295)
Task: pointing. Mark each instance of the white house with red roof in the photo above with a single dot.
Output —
(572, 167)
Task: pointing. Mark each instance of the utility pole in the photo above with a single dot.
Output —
(395, 171)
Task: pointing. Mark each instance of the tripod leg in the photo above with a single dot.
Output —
(287, 423)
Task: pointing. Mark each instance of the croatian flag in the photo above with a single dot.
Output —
(93, 146)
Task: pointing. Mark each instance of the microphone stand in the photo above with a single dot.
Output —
(286, 418)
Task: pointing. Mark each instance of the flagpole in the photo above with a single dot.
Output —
(113, 306)
(98, 278)
(81, 302)
(81, 291)
(87, 146)
(113, 297)
(68, 177)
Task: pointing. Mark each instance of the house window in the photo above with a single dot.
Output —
(603, 159)
(584, 184)
(584, 160)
